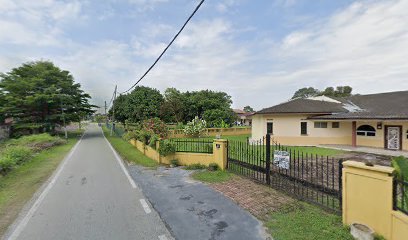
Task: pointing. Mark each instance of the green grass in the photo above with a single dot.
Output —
(127, 151)
(19, 185)
(212, 176)
(315, 150)
(302, 221)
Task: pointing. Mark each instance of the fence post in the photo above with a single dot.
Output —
(268, 159)
(340, 183)
(220, 150)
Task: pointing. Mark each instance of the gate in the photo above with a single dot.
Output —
(309, 177)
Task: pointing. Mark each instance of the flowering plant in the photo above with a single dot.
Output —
(195, 127)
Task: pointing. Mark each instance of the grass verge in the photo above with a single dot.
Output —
(127, 151)
(212, 176)
(18, 186)
(302, 221)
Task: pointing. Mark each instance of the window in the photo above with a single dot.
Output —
(320, 125)
(269, 127)
(366, 130)
(303, 128)
(335, 125)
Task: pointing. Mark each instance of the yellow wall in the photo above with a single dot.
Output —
(286, 130)
(219, 155)
(367, 199)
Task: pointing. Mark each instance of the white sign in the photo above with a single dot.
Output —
(281, 159)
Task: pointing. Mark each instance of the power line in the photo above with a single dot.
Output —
(164, 51)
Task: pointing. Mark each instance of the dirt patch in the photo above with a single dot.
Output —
(366, 157)
(258, 199)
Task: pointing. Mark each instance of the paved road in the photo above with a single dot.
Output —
(91, 198)
(193, 210)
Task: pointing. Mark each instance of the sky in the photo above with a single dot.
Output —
(258, 51)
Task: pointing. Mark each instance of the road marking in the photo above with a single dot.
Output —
(20, 227)
(145, 206)
(162, 237)
(121, 163)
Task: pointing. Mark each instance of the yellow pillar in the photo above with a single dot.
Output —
(367, 196)
(220, 149)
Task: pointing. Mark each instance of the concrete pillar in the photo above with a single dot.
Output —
(354, 134)
(220, 148)
(367, 196)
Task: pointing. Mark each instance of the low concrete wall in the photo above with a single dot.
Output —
(367, 199)
(219, 155)
(214, 132)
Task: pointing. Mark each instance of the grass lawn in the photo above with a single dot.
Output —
(127, 151)
(212, 176)
(302, 221)
(17, 187)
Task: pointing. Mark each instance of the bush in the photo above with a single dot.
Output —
(174, 162)
(195, 127)
(195, 166)
(6, 164)
(213, 167)
(401, 167)
(130, 135)
(19, 154)
(156, 126)
(152, 141)
(166, 148)
(37, 142)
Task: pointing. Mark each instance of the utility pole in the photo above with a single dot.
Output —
(105, 108)
(106, 115)
(63, 119)
(113, 111)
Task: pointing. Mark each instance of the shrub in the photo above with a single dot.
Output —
(6, 164)
(213, 167)
(156, 126)
(130, 135)
(37, 142)
(401, 167)
(152, 141)
(174, 162)
(195, 166)
(19, 154)
(195, 127)
(166, 148)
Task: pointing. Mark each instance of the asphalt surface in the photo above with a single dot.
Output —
(193, 210)
(90, 198)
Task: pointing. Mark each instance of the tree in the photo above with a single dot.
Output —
(172, 109)
(140, 104)
(306, 92)
(248, 109)
(38, 95)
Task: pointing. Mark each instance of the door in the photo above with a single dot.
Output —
(269, 128)
(393, 137)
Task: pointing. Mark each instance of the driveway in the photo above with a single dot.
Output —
(193, 210)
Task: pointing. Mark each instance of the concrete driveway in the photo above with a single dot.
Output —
(193, 210)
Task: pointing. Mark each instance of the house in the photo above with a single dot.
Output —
(243, 118)
(374, 120)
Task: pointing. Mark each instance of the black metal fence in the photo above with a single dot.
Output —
(309, 177)
(400, 198)
(193, 145)
(118, 129)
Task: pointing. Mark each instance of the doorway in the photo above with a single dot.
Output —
(393, 137)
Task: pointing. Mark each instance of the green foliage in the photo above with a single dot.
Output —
(19, 154)
(400, 165)
(213, 167)
(248, 109)
(219, 118)
(153, 139)
(37, 142)
(195, 166)
(34, 93)
(166, 148)
(175, 162)
(140, 104)
(156, 126)
(195, 127)
(340, 91)
(130, 135)
(6, 164)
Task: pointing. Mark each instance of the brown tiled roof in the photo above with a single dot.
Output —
(392, 105)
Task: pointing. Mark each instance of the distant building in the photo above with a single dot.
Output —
(243, 118)
(374, 120)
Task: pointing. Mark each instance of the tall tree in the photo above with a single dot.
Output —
(172, 109)
(140, 104)
(37, 93)
(248, 109)
(306, 92)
